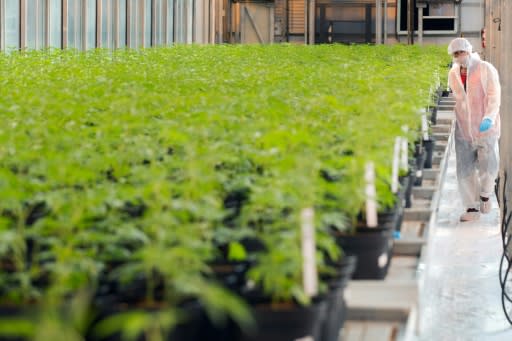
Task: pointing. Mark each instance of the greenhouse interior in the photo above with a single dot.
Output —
(218, 170)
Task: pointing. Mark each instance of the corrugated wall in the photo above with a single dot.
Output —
(297, 17)
(498, 52)
(85, 24)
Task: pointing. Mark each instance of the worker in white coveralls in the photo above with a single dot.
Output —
(476, 88)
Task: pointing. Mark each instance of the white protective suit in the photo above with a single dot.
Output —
(476, 152)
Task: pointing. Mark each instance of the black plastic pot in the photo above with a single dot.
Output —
(420, 162)
(231, 274)
(112, 291)
(286, 323)
(336, 307)
(433, 115)
(194, 326)
(404, 183)
(387, 218)
(408, 192)
(429, 148)
(17, 313)
(392, 217)
(407, 183)
(343, 272)
(335, 317)
(373, 248)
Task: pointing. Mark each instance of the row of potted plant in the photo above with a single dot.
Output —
(142, 188)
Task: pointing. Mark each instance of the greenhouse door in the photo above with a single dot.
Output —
(256, 23)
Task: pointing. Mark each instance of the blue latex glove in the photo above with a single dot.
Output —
(486, 124)
(396, 234)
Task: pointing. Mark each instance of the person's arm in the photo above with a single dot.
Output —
(453, 82)
(493, 91)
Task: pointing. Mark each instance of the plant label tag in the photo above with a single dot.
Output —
(382, 260)
(424, 126)
(404, 163)
(309, 272)
(371, 196)
(394, 171)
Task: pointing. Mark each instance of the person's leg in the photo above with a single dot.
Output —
(467, 178)
(488, 167)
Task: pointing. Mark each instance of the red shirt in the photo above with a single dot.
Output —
(463, 76)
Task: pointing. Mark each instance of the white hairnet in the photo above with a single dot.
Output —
(460, 44)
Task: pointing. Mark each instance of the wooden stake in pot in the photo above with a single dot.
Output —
(309, 271)
(404, 160)
(396, 160)
(371, 196)
(424, 127)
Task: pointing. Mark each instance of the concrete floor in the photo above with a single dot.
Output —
(459, 290)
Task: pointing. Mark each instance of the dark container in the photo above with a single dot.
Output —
(336, 306)
(429, 148)
(433, 115)
(392, 217)
(286, 323)
(407, 183)
(192, 327)
(373, 248)
(420, 165)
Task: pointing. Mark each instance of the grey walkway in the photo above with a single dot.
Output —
(459, 290)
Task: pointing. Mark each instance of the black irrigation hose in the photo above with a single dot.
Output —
(502, 280)
(504, 223)
(506, 240)
(503, 277)
(505, 298)
(504, 206)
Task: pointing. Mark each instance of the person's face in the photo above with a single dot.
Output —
(461, 57)
(459, 53)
